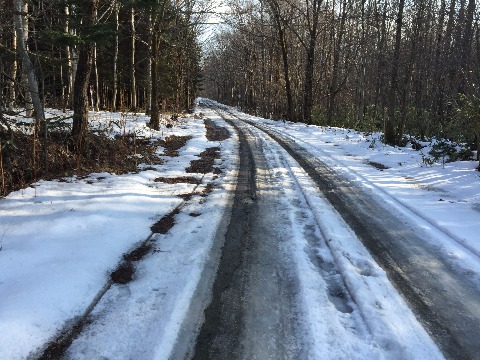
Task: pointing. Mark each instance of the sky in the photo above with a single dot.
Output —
(214, 22)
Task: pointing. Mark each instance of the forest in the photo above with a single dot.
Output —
(82, 55)
(406, 68)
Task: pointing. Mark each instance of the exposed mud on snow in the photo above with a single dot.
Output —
(179, 180)
(377, 165)
(123, 274)
(215, 132)
(163, 225)
(172, 144)
(205, 164)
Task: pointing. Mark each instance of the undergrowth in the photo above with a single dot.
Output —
(23, 159)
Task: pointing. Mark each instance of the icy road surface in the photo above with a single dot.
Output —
(283, 292)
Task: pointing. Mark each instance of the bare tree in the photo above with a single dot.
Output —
(82, 79)
(280, 22)
(310, 11)
(115, 56)
(133, 83)
(27, 65)
(13, 75)
(390, 134)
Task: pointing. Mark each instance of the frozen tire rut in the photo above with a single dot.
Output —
(251, 314)
(445, 300)
(280, 292)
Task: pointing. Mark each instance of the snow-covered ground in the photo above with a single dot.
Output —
(61, 241)
(445, 197)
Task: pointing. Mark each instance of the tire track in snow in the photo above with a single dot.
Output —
(355, 286)
(400, 205)
(331, 282)
(447, 303)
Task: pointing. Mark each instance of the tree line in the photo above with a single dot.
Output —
(114, 55)
(400, 66)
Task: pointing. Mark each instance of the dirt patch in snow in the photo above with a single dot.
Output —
(378, 166)
(123, 274)
(179, 180)
(215, 132)
(173, 143)
(165, 223)
(205, 164)
(139, 253)
(208, 189)
(57, 348)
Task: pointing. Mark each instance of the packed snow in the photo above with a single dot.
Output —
(443, 198)
(60, 240)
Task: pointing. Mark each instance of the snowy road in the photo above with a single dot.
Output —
(279, 280)
(307, 243)
(446, 301)
(252, 314)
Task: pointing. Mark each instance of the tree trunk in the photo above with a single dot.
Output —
(335, 65)
(29, 108)
(283, 46)
(439, 64)
(13, 75)
(70, 70)
(466, 46)
(148, 106)
(154, 106)
(390, 135)
(312, 18)
(27, 65)
(82, 79)
(360, 113)
(96, 93)
(308, 83)
(80, 101)
(115, 59)
(133, 84)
